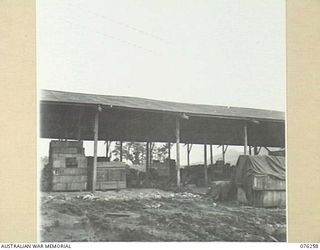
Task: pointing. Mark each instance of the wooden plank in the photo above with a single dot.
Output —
(117, 214)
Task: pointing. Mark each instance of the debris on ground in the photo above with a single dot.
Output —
(155, 215)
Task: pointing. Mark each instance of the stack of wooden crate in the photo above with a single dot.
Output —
(68, 165)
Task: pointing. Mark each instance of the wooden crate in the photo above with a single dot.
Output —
(68, 166)
(110, 175)
(111, 178)
(265, 182)
(269, 198)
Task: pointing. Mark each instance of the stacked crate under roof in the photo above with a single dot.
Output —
(69, 166)
(110, 175)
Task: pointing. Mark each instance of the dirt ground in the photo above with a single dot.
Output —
(154, 215)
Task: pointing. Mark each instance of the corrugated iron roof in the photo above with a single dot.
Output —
(162, 106)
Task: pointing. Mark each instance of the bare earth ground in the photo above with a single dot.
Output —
(154, 215)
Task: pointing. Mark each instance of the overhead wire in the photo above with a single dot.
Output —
(121, 23)
(124, 41)
(109, 36)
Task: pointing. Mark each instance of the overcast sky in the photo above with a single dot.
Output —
(198, 51)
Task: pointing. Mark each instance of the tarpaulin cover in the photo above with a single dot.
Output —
(248, 165)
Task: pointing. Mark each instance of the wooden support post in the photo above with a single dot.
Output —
(121, 149)
(64, 127)
(147, 155)
(150, 153)
(223, 154)
(169, 150)
(95, 150)
(178, 150)
(250, 150)
(255, 150)
(245, 135)
(205, 166)
(259, 150)
(147, 159)
(108, 150)
(211, 154)
(79, 125)
(188, 160)
(224, 151)
(189, 147)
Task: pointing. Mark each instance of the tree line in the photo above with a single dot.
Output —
(136, 152)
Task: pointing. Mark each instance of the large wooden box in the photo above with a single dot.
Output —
(110, 175)
(265, 182)
(269, 198)
(268, 191)
(111, 178)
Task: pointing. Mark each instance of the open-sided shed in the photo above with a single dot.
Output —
(66, 115)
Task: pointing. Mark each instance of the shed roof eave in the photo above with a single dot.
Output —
(244, 118)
